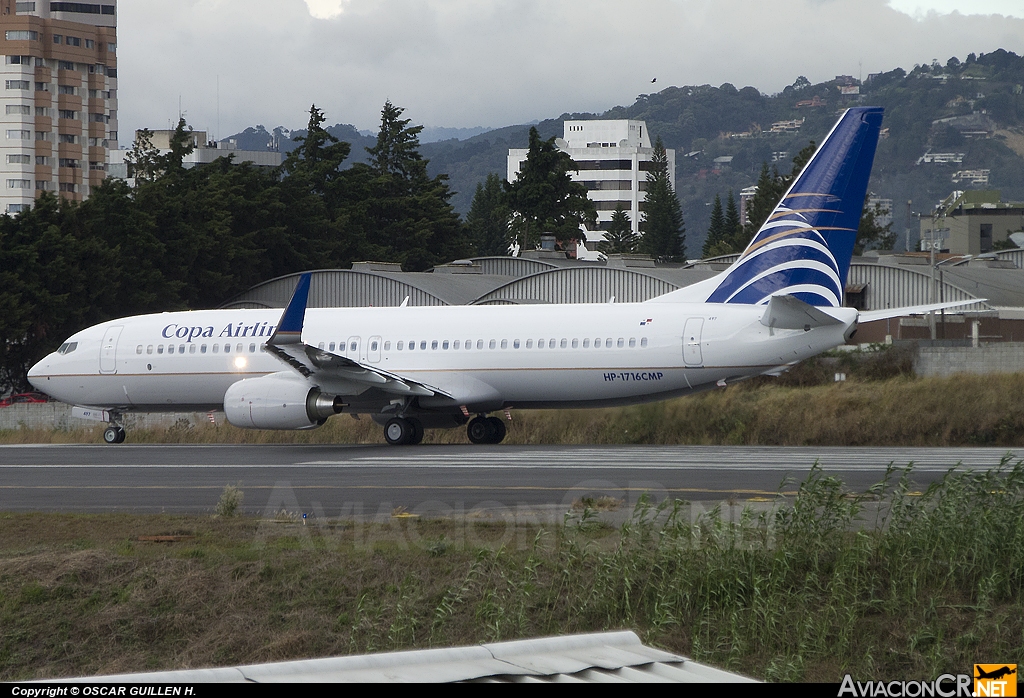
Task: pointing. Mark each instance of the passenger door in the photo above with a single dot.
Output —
(108, 349)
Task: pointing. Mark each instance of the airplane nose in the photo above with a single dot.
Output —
(36, 376)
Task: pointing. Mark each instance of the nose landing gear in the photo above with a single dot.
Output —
(114, 434)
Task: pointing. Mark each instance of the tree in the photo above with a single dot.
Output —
(716, 231)
(619, 238)
(770, 188)
(544, 199)
(662, 219)
(143, 160)
(871, 235)
(403, 211)
(733, 226)
(487, 220)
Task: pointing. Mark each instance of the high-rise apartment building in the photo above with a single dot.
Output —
(613, 157)
(59, 98)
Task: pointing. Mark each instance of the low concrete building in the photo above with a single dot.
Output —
(972, 222)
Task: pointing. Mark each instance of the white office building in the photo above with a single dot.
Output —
(614, 157)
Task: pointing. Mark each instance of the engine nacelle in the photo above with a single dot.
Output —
(279, 401)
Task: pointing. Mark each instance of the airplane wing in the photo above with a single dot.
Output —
(872, 315)
(287, 345)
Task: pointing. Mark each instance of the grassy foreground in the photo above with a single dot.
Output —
(803, 408)
(798, 593)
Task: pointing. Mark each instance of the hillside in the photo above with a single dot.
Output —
(974, 107)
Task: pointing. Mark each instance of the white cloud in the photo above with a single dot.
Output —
(497, 62)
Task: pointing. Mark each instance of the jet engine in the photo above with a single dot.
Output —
(279, 401)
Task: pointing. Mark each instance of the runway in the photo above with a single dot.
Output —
(339, 481)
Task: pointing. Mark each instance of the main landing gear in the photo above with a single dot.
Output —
(486, 430)
(403, 431)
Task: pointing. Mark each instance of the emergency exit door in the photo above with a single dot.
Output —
(691, 341)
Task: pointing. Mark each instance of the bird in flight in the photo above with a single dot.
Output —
(654, 80)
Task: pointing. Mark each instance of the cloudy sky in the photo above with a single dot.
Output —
(466, 63)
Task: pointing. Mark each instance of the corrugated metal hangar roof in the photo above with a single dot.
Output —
(597, 658)
(886, 281)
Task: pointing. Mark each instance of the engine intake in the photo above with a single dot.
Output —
(279, 401)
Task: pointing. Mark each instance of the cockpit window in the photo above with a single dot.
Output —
(67, 347)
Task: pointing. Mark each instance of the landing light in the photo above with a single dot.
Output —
(240, 362)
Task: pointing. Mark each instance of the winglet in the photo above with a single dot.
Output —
(289, 329)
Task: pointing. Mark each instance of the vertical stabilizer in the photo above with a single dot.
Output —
(805, 246)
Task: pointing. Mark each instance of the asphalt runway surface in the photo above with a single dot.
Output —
(354, 481)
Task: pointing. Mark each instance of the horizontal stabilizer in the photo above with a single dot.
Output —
(791, 313)
(872, 315)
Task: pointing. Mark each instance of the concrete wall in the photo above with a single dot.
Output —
(58, 415)
(1003, 357)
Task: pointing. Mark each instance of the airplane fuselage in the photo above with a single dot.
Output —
(487, 357)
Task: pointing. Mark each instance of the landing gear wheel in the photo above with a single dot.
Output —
(486, 430)
(497, 428)
(417, 434)
(114, 435)
(399, 432)
(479, 431)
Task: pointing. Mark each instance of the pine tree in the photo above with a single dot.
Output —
(404, 212)
(733, 226)
(716, 231)
(619, 238)
(662, 221)
(769, 191)
(487, 220)
(543, 198)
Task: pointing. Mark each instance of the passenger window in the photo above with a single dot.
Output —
(170, 348)
(540, 343)
(252, 348)
(586, 343)
(575, 343)
(469, 344)
(632, 342)
(202, 349)
(504, 344)
(160, 349)
(608, 343)
(455, 345)
(479, 344)
(597, 343)
(330, 347)
(563, 343)
(643, 342)
(423, 345)
(515, 344)
(492, 344)
(387, 346)
(621, 342)
(444, 344)
(341, 346)
(551, 343)
(181, 348)
(529, 344)
(354, 346)
(321, 346)
(433, 344)
(216, 348)
(149, 349)
(191, 348)
(400, 345)
(373, 346)
(138, 349)
(239, 348)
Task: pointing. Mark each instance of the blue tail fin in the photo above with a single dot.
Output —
(805, 246)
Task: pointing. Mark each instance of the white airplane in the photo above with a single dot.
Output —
(433, 367)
